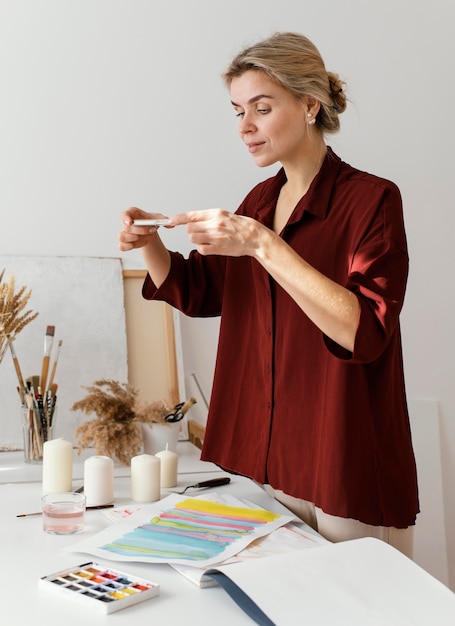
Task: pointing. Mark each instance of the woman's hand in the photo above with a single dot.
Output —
(131, 237)
(155, 254)
(216, 231)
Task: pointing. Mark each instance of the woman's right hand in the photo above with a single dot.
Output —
(131, 236)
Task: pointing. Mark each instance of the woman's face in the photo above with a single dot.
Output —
(272, 122)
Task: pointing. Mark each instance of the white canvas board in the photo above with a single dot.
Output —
(83, 298)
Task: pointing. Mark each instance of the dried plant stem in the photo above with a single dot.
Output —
(117, 431)
(13, 318)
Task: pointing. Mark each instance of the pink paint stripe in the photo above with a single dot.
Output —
(191, 520)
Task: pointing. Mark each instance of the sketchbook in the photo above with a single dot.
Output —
(284, 539)
(353, 583)
(291, 536)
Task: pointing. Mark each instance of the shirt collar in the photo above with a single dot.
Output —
(317, 198)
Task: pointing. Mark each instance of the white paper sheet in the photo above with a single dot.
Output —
(364, 582)
(99, 544)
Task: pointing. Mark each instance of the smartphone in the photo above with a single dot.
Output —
(152, 222)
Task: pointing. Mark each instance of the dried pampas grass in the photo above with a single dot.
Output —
(117, 431)
(13, 318)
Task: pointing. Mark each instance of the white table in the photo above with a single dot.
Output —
(28, 553)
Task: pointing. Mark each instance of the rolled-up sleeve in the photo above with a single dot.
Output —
(378, 276)
(194, 285)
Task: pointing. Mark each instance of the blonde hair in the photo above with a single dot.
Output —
(294, 62)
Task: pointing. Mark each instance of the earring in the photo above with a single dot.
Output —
(311, 121)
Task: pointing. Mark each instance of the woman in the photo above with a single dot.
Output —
(309, 277)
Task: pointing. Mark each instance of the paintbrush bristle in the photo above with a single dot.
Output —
(50, 330)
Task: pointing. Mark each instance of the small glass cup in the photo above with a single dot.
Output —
(37, 428)
(63, 513)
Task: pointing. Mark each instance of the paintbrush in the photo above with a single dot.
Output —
(16, 366)
(48, 341)
(32, 383)
(54, 365)
(87, 508)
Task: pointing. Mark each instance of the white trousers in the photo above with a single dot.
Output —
(337, 529)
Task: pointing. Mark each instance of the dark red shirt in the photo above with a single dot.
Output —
(289, 406)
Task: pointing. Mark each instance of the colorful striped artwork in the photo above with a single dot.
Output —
(191, 531)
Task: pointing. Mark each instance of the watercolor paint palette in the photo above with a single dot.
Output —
(105, 589)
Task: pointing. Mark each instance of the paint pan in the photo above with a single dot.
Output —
(105, 589)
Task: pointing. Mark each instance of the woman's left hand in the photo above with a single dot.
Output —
(216, 231)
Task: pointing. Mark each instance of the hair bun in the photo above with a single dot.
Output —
(337, 92)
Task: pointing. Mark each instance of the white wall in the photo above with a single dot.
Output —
(109, 103)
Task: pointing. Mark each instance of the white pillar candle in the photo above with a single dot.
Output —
(99, 480)
(145, 478)
(169, 467)
(57, 466)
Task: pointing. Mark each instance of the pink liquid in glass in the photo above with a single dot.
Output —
(63, 518)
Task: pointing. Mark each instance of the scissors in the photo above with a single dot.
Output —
(179, 410)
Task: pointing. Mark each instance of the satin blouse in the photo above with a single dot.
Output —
(289, 406)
